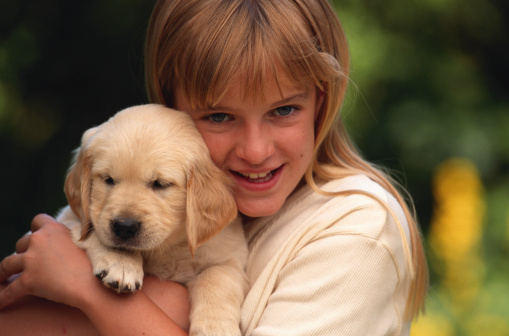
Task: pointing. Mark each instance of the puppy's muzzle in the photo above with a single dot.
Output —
(125, 228)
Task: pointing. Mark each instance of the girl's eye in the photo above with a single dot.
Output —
(218, 117)
(284, 111)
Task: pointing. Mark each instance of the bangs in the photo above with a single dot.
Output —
(241, 42)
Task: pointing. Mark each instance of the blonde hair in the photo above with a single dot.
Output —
(202, 46)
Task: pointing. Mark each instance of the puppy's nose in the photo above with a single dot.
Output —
(125, 228)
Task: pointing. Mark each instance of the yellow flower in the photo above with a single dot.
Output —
(456, 231)
(432, 324)
(457, 220)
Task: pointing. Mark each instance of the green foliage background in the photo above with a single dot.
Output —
(429, 83)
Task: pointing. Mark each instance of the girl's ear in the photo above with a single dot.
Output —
(78, 182)
(210, 203)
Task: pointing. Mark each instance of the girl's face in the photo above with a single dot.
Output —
(264, 146)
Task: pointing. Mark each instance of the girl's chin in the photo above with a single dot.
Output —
(258, 208)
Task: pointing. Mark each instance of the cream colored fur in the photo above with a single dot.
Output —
(149, 165)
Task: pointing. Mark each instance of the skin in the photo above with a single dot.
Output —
(50, 293)
(271, 139)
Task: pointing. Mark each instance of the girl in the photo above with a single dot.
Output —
(334, 249)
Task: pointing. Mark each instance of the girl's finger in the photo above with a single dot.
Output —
(12, 264)
(40, 220)
(22, 243)
(12, 292)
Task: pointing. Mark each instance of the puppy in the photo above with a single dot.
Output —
(145, 197)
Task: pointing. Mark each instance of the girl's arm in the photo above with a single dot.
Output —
(31, 315)
(69, 298)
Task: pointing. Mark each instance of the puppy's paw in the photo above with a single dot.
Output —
(119, 271)
(213, 326)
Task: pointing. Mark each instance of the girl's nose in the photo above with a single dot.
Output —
(255, 144)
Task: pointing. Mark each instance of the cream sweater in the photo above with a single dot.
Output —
(328, 265)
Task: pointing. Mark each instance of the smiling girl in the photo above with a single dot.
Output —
(334, 248)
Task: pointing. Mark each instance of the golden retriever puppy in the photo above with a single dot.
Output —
(145, 197)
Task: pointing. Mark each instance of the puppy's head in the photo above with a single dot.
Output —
(144, 178)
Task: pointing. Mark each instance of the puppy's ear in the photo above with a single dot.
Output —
(78, 182)
(210, 203)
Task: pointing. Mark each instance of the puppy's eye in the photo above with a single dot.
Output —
(160, 185)
(109, 180)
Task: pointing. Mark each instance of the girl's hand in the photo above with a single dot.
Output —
(52, 267)
(49, 264)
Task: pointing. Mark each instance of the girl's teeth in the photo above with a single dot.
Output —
(255, 176)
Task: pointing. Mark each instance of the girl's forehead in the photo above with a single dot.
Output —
(273, 84)
(249, 82)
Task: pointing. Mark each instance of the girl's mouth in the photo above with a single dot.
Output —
(258, 177)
